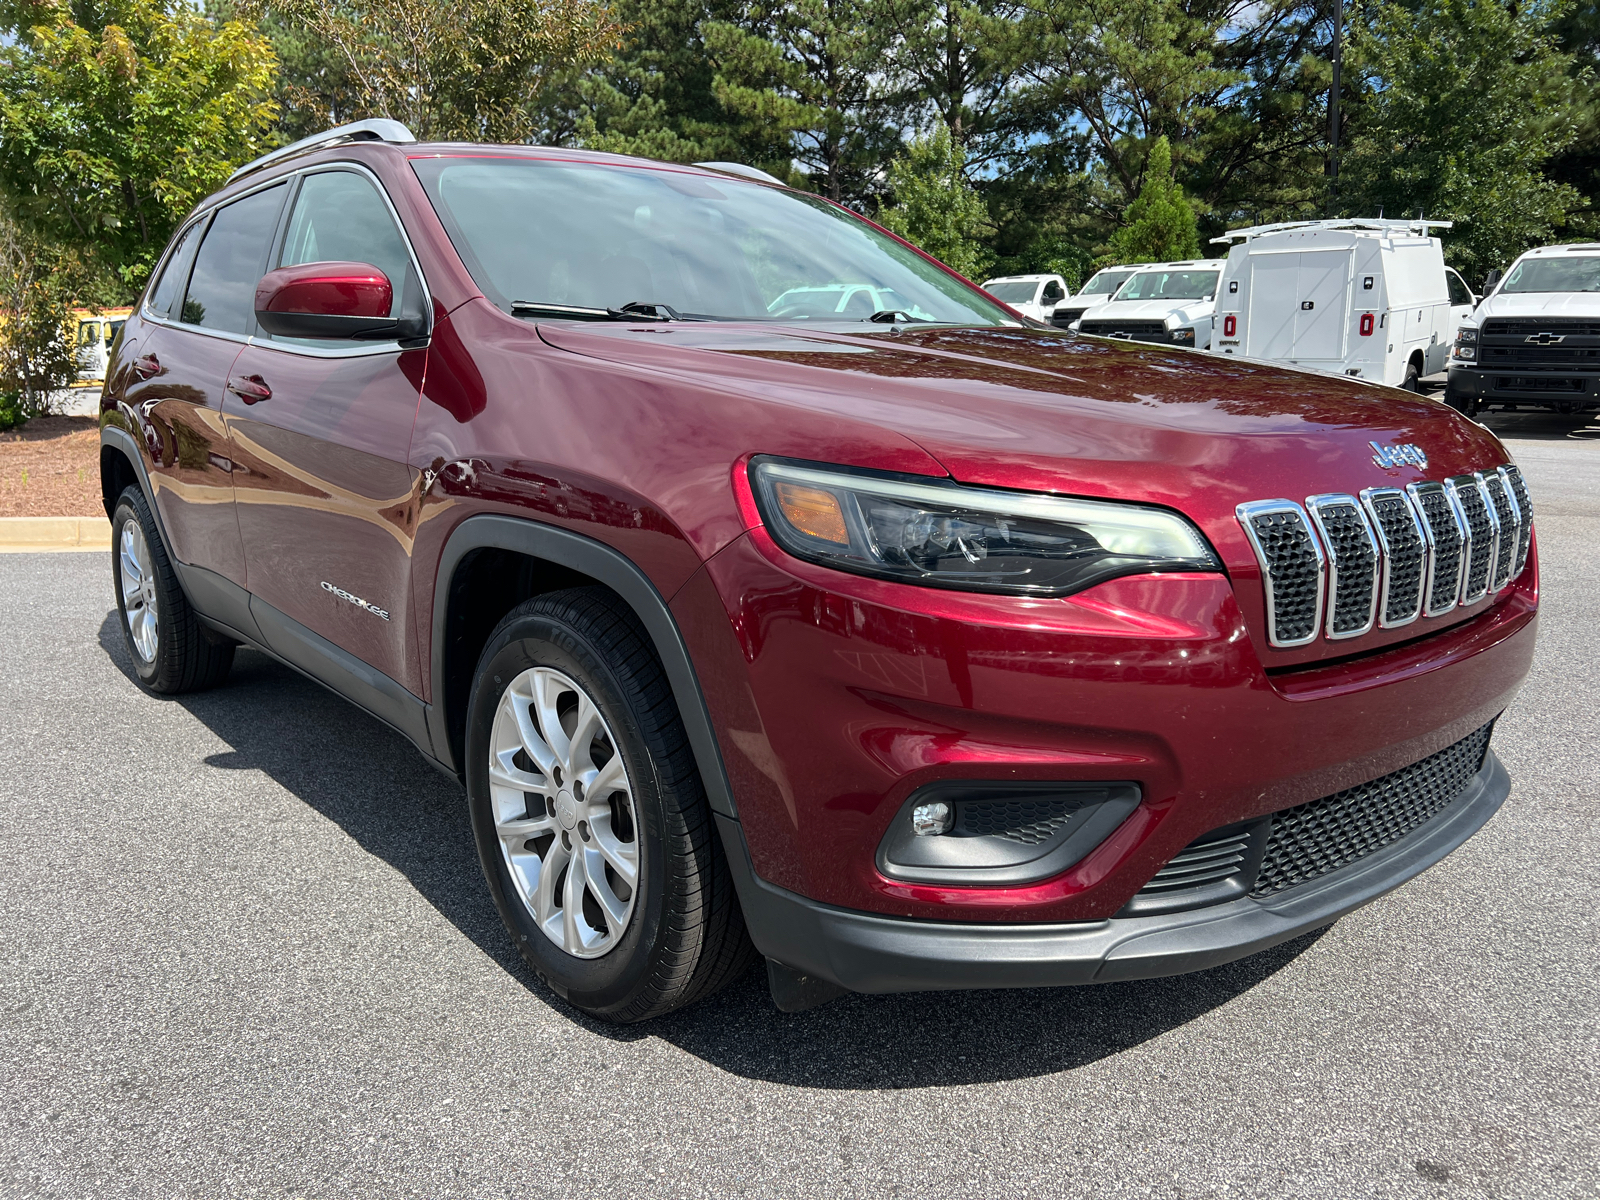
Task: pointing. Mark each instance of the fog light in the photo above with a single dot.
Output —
(930, 820)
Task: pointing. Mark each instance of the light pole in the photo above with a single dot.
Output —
(1333, 108)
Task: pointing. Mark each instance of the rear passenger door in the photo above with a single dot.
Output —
(197, 320)
(327, 503)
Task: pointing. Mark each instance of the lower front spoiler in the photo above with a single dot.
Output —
(864, 952)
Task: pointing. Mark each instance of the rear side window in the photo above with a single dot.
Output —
(339, 217)
(170, 284)
(222, 287)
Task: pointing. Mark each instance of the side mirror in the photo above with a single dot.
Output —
(1490, 280)
(348, 301)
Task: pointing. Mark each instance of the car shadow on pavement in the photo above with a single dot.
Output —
(1542, 426)
(367, 779)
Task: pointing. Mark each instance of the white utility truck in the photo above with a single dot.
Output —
(1368, 298)
(1171, 303)
(1534, 342)
(1033, 296)
(1102, 284)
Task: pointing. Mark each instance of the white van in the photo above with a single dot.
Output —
(1369, 298)
(1033, 296)
(1170, 303)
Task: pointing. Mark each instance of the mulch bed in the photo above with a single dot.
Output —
(50, 467)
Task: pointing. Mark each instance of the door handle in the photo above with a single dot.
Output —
(146, 366)
(252, 389)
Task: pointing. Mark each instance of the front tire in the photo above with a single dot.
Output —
(172, 651)
(1467, 406)
(590, 818)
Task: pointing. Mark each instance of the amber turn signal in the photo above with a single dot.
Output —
(813, 511)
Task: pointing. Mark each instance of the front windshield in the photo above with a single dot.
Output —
(1580, 273)
(1018, 291)
(1169, 285)
(1104, 283)
(596, 236)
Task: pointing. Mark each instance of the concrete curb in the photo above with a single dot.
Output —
(19, 535)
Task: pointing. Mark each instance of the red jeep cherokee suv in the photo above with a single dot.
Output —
(773, 590)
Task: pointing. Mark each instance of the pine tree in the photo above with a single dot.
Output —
(1160, 224)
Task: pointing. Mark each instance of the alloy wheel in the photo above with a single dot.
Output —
(139, 591)
(564, 812)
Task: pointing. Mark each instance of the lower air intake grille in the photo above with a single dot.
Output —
(1308, 841)
(1324, 835)
(1207, 860)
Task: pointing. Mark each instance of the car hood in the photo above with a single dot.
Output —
(1149, 310)
(1540, 304)
(1053, 411)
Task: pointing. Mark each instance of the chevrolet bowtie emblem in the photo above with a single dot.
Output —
(1398, 455)
(1545, 339)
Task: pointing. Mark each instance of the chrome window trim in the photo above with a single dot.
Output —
(1369, 500)
(1453, 485)
(1314, 506)
(1504, 551)
(1463, 541)
(1261, 508)
(293, 178)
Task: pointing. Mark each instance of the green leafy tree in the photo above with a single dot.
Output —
(935, 207)
(1462, 103)
(471, 70)
(38, 289)
(1160, 223)
(117, 116)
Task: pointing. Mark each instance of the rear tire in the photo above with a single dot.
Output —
(1413, 379)
(611, 881)
(172, 651)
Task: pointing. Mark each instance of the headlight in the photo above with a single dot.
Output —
(973, 539)
(1466, 335)
(1183, 337)
(1466, 352)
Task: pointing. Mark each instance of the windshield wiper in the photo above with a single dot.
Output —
(897, 316)
(634, 310)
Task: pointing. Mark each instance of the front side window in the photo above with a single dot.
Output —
(1579, 273)
(1052, 291)
(1459, 292)
(593, 236)
(1169, 285)
(1017, 291)
(339, 217)
(222, 286)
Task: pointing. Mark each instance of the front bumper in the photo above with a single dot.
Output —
(1548, 387)
(864, 952)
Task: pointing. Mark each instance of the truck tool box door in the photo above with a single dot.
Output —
(1299, 301)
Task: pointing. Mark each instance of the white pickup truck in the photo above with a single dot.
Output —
(1033, 296)
(1534, 341)
(1160, 302)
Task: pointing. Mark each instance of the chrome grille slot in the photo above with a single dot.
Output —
(1352, 563)
(1446, 531)
(1291, 569)
(1505, 511)
(1405, 555)
(1519, 490)
(1482, 530)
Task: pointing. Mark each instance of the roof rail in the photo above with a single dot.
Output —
(1382, 224)
(740, 169)
(379, 129)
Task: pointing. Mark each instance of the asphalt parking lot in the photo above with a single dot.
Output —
(247, 952)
